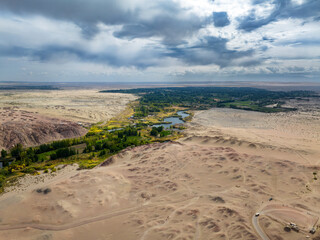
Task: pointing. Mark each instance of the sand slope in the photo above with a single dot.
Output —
(207, 185)
(36, 117)
(31, 129)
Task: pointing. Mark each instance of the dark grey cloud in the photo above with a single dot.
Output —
(168, 19)
(282, 9)
(268, 39)
(172, 23)
(93, 11)
(53, 53)
(220, 19)
(252, 22)
(210, 50)
(84, 13)
(171, 29)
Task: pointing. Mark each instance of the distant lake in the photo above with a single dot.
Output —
(173, 120)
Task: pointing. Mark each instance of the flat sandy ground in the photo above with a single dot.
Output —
(207, 185)
(37, 117)
(87, 106)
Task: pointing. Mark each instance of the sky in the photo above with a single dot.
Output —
(159, 40)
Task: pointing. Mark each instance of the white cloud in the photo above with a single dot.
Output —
(55, 48)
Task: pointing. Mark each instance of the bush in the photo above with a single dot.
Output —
(3, 153)
(165, 133)
(53, 156)
(29, 170)
(154, 132)
(102, 153)
(4, 171)
(2, 181)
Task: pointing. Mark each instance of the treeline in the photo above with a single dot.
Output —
(116, 141)
(62, 153)
(57, 144)
(154, 99)
(102, 143)
(146, 108)
(20, 155)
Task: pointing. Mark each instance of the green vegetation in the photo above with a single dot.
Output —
(156, 130)
(133, 127)
(98, 144)
(315, 176)
(3, 153)
(88, 153)
(199, 98)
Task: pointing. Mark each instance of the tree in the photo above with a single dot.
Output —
(53, 156)
(160, 129)
(102, 153)
(16, 151)
(3, 153)
(154, 132)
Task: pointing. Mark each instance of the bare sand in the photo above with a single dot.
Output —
(37, 117)
(207, 185)
(87, 106)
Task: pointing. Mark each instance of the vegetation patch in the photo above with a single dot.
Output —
(201, 98)
(135, 127)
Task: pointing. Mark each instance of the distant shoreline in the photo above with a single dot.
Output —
(276, 86)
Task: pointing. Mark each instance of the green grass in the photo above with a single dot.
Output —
(44, 156)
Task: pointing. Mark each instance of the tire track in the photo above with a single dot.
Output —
(86, 221)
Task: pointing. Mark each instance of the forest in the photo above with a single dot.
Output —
(201, 98)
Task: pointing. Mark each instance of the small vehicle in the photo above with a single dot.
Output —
(312, 230)
(257, 214)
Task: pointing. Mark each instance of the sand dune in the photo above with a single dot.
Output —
(32, 129)
(207, 185)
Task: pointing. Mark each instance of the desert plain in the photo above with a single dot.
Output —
(39, 116)
(230, 165)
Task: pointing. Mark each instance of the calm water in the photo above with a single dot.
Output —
(115, 129)
(173, 120)
(183, 114)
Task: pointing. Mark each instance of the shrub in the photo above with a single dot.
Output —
(29, 170)
(3, 153)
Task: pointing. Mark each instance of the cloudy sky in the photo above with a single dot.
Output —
(159, 40)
